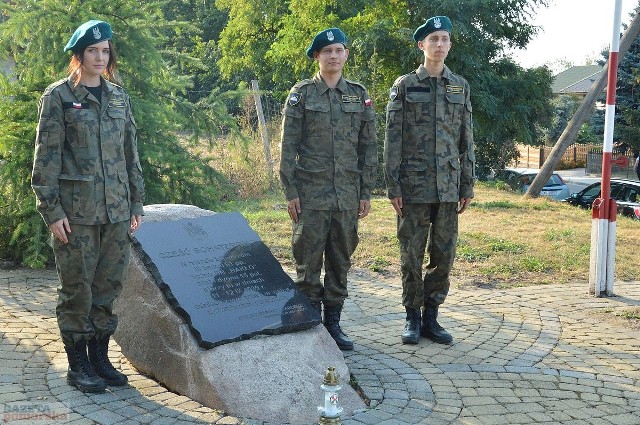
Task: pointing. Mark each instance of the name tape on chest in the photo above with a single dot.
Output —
(75, 105)
(351, 99)
(116, 103)
(454, 89)
(418, 89)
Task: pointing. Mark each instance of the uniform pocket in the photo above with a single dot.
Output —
(78, 196)
(419, 107)
(455, 108)
(121, 199)
(353, 113)
(116, 124)
(412, 182)
(454, 175)
(317, 118)
(78, 127)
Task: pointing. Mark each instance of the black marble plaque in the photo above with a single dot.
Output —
(222, 279)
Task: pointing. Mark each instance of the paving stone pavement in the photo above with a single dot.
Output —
(536, 355)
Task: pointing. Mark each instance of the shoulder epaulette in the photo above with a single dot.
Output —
(458, 77)
(355, 83)
(53, 86)
(402, 77)
(114, 86)
(302, 83)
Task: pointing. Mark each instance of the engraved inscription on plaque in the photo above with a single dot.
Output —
(222, 279)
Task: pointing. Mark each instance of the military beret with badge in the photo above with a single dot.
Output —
(435, 23)
(89, 33)
(325, 38)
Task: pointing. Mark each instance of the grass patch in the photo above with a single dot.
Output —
(560, 234)
(505, 239)
(378, 264)
(493, 205)
(525, 242)
(632, 314)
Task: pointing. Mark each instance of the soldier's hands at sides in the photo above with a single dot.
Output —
(293, 208)
(464, 203)
(365, 207)
(397, 205)
(136, 222)
(60, 229)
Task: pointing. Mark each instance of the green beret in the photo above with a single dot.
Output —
(89, 33)
(436, 23)
(325, 38)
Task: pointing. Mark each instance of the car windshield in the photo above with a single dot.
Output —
(554, 180)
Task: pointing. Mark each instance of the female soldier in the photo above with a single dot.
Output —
(89, 188)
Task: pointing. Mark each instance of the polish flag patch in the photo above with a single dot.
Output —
(367, 102)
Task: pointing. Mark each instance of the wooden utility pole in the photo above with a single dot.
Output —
(569, 134)
(263, 126)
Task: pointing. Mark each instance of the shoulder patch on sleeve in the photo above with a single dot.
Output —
(294, 98)
(393, 92)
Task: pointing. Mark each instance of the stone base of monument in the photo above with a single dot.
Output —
(274, 378)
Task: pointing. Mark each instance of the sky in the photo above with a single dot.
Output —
(573, 31)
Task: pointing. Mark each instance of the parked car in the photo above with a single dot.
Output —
(519, 179)
(625, 192)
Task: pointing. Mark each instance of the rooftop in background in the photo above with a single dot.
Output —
(576, 80)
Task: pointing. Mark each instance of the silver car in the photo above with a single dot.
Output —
(519, 179)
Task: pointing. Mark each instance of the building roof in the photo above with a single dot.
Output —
(576, 80)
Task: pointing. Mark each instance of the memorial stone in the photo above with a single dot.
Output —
(156, 331)
(222, 279)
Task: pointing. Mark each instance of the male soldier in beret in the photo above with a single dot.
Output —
(327, 169)
(429, 172)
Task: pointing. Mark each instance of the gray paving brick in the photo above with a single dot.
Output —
(521, 356)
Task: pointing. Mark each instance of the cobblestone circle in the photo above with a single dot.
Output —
(533, 355)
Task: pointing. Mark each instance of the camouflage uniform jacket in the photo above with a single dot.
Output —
(328, 152)
(86, 164)
(428, 150)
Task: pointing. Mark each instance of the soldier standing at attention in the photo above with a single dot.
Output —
(89, 188)
(327, 169)
(429, 172)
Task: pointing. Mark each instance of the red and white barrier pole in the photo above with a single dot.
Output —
(603, 219)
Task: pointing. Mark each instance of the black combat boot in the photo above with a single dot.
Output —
(80, 373)
(332, 323)
(431, 328)
(99, 358)
(411, 333)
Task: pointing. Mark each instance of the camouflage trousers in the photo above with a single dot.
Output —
(329, 234)
(91, 269)
(433, 227)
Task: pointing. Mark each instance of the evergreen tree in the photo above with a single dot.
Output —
(33, 35)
